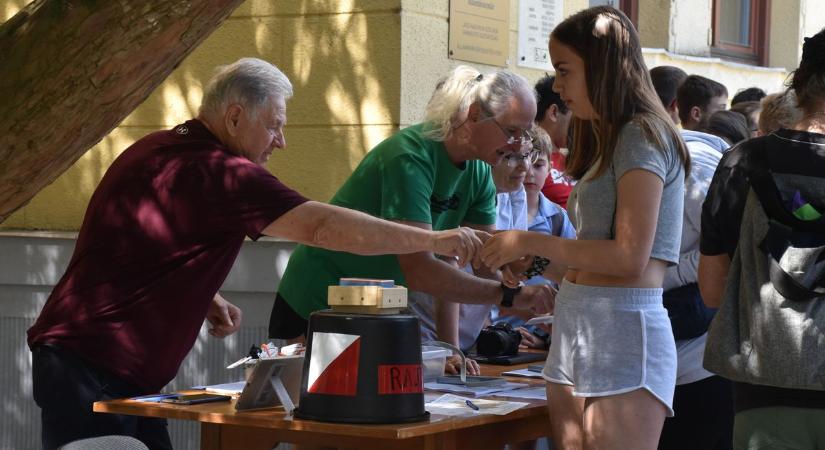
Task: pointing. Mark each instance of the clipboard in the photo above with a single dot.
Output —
(273, 382)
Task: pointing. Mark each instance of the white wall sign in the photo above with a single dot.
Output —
(536, 19)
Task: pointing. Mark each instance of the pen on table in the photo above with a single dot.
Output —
(471, 405)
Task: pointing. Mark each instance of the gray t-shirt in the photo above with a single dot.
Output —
(592, 203)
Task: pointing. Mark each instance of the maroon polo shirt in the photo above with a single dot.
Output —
(160, 235)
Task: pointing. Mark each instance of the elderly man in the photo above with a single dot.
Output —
(161, 232)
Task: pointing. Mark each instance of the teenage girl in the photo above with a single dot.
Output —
(611, 369)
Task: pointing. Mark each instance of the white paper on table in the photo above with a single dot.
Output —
(476, 391)
(543, 319)
(526, 373)
(454, 405)
(533, 392)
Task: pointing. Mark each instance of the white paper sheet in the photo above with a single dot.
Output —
(474, 391)
(454, 405)
(521, 373)
(536, 393)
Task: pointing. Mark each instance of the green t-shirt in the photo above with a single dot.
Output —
(407, 177)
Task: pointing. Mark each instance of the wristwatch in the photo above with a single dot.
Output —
(508, 294)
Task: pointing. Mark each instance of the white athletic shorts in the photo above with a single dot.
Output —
(609, 340)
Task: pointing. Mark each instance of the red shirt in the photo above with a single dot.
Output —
(557, 186)
(160, 235)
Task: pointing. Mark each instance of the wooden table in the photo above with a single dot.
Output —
(224, 428)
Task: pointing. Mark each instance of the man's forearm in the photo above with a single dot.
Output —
(353, 231)
(335, 228)
(428, 274)
(446, 321)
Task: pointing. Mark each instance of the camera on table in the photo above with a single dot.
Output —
(498, 340)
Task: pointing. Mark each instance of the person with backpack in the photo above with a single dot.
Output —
(762, 249)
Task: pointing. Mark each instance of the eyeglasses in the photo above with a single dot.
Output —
(516, 137)
(516, 158)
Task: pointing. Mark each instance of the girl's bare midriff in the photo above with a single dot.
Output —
(652, 277)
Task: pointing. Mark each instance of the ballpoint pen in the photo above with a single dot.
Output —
(471, 405)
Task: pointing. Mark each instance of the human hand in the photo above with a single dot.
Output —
(453, 366)
(541, 299)
(224, 317)
(503, 248)
(513, 273)
(483, 235)
(462, 242)
(530, 340)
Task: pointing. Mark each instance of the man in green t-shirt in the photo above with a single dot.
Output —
(434, 175)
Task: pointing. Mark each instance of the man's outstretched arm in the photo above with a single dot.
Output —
(335, 228)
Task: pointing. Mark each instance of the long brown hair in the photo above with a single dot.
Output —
(619, 88)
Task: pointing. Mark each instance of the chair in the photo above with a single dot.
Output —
(106, 443)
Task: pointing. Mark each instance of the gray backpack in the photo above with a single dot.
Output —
(770, 328)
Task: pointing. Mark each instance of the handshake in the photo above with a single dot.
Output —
(499, 251)
(506, 253)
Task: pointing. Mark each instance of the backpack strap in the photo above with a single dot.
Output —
(774, 245)
(781, 227)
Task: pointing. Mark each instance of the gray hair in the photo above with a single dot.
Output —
(250, 82)
(465, 85)
(779, 111)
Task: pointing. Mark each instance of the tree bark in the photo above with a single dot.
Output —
(71, 70)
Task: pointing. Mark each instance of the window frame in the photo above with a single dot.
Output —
(757, 52)
(631, 10)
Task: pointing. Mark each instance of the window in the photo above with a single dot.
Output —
(740, 30)
(629, 7)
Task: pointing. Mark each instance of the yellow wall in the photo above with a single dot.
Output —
(343, 58)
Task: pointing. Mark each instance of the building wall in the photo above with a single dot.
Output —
(654, 22)
(424, 49)
(690, 27)
(786, 34)
(343, 58)
(734, 76)
(363, 68)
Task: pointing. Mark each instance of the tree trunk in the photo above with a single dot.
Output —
(71, 70)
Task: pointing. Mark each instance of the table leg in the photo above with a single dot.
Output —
(210, 436)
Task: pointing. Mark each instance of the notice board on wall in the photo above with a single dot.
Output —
(536, 20)
(480, 31)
